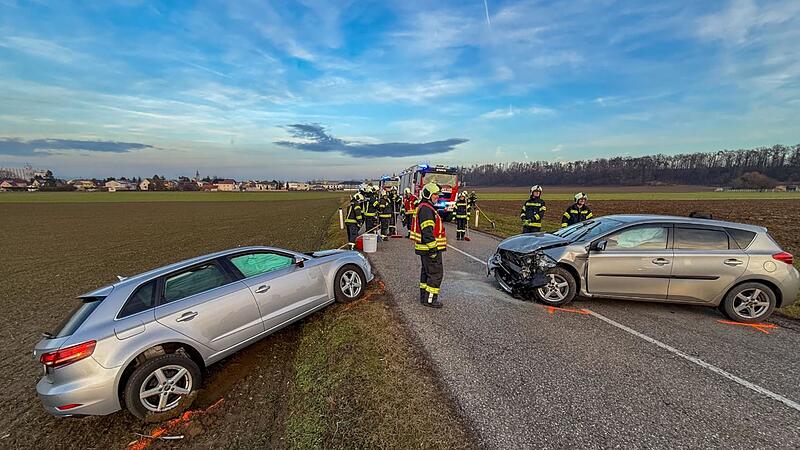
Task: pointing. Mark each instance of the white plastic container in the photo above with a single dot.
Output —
(370, 242)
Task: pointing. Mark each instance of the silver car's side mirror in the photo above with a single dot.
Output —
(599, 246)
(299, 261)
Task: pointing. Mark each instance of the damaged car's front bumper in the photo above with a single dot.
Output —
(518, 273)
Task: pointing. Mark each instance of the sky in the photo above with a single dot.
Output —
(357, 89)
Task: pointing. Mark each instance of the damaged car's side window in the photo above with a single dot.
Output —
(639, 238)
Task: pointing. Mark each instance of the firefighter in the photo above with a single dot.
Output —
(370, 212)
(430, 241)
(353, 219)
(396, 202)
(384, 209)
(462, 216)
(410, 207)
(578, 211)
(533, 211)
(473, 201)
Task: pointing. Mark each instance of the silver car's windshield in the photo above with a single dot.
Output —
(588, 230)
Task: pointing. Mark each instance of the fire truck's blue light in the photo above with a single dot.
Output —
(423, 166)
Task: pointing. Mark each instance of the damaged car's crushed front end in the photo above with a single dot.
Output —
(521, 263)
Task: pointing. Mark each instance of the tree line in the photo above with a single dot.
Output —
(721, 168)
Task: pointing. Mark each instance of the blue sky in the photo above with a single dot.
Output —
(320, 88)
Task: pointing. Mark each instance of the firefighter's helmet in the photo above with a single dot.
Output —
(430, 189)
(463, 195)
(358, 197)
(535, 188)
(407, 191)
(581, 196)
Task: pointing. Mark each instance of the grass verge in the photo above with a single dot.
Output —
(360, 381)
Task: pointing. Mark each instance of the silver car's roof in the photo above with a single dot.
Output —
(157, 272)
(644, 218)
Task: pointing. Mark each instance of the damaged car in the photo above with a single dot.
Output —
(736, 267)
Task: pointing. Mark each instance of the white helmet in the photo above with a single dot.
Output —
(358, 197)
(581, 195)
(535, 188)
(407, 191)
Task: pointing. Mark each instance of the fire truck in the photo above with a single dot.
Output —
(416, 177)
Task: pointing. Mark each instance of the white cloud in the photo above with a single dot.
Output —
(557, 148)
(511, 112)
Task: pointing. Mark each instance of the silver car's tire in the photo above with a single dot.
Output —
(749, 303)
(560, 289)
(349, 284)
(163, 387)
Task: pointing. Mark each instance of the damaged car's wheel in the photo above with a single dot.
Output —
(560, 289)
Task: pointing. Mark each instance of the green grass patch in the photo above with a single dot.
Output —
(146, 197)
(649, 196)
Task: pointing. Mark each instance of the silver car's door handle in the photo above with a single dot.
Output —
(733, 262)
(660, 261)
(261, 289)
(186, 316)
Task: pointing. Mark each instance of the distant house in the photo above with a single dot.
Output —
(13, 184)
(227, 185)
(144, 185)
(297, 186)
(120, 185)
(83, 185)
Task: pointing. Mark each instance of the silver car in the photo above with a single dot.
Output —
(143, 341)
(738, 268)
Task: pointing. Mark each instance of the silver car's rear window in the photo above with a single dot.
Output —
(742, 237)
(78, 316)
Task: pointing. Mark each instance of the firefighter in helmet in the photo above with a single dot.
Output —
(410, 208)
(354, 218)
(577, 212)
(370, 210)
(396, 203)
(430, 241)
(384, 209)
(533, 211)
(462, 216)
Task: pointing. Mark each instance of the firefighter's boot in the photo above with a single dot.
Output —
(432, 301)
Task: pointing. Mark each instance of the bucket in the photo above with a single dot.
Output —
(370, 243)
(359, 243)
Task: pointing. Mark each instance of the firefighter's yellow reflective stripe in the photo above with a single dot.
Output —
(350, 221)
(385, 216)
(589, 216)
(566, 214)
(432, 244)
(530, 223)
(422, 247)
(368, 214)
(461, 216)
(423, 286)
(426, 224)
(433, 290)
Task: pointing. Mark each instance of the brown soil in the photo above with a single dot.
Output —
(604, 189)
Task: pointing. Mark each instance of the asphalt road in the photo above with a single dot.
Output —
(629, 374)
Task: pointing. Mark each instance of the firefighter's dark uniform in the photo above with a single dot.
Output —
(532, 214)
(353, 221)
(462, 218)
(370, 214)
(430, 241)
(575, 214)
(395, 202)
(384, 209)
(473, 201)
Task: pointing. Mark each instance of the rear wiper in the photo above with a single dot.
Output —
(48, 335)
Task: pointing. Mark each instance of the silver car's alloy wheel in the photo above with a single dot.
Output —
(751, 303)
(164, 388)
(350, 283)
(556, 290)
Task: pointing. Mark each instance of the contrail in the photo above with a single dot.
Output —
(486, 7)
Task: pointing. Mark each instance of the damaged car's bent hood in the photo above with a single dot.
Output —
(527, 243)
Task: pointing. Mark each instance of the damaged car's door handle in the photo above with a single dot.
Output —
(660, 261)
